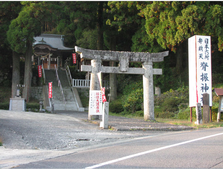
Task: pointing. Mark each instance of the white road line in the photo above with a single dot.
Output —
(151, 151)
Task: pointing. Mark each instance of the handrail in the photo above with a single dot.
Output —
(59, 84)
(70, 83)
(69, 74)
(44, 76)
(51, 104)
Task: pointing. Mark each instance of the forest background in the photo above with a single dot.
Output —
(152, 26)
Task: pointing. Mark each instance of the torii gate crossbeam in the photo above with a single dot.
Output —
(97, 56)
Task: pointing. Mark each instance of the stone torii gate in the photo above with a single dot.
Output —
(97, 56)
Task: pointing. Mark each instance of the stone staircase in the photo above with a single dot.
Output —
(70, 102)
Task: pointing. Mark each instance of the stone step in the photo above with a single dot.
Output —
(59, 103)
(67, 106)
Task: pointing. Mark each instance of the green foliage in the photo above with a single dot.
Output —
(133, 101)
(75, 72)
(184, 114)
(132, 86)
(22, 30)
(116, 106)
(32, 106)
(139, 113)
(89, 37)
(5, 94)
(4, 106)
(84, 97)
(171, 23)
(170, 104)
(181, 94)
(124, 14)
(165, 115)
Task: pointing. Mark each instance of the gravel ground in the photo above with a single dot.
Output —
(60, 131)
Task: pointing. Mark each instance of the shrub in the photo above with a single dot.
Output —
(170, 104)
(32, 106)
(133, 101)
(139, 113)
(164, 115)
(4, 106)
(184, 114)
(116, 106)
(173, 100)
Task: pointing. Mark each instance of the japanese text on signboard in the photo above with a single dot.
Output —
(50, 90)
(39, 70)
(95, 102)
(74, 58)
(203, 67)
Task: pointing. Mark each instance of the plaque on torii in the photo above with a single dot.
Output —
(97, 56)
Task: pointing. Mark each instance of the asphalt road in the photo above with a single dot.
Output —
(66, 140)
(194, 149)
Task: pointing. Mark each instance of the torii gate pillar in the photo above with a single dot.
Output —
(96, 68)
(148, 94)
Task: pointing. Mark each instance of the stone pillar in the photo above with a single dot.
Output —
(113, 83)
(49, 61)
(58, 62)
(96, 68)
(157, 91)
(198, 114)
(206, 109)
(94, 83)
(104, 122)
(148, 93)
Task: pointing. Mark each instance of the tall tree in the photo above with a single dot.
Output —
(22, 30)
(8, 12)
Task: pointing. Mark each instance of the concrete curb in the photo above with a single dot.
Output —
(140, 128)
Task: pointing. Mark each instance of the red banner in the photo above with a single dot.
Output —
(74, 58)
(103, 95)
(40, 70)
(50, 90)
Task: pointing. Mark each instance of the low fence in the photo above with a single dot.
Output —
(81, 83)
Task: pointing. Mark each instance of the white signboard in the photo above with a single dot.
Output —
(221, 104)
(95, 102)
(200, 74)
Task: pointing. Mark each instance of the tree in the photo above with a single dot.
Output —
(8, 12)
(78, 19)
(172, 23)
(22, 30)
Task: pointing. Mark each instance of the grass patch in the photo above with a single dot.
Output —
(1, 142)
(191, 124)
(179, 122)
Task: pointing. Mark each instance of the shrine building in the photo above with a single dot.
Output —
(51, 50)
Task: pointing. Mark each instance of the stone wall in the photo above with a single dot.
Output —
(36, 92)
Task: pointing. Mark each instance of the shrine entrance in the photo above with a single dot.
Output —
(146, 58)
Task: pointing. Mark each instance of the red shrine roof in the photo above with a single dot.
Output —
(218, 91)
